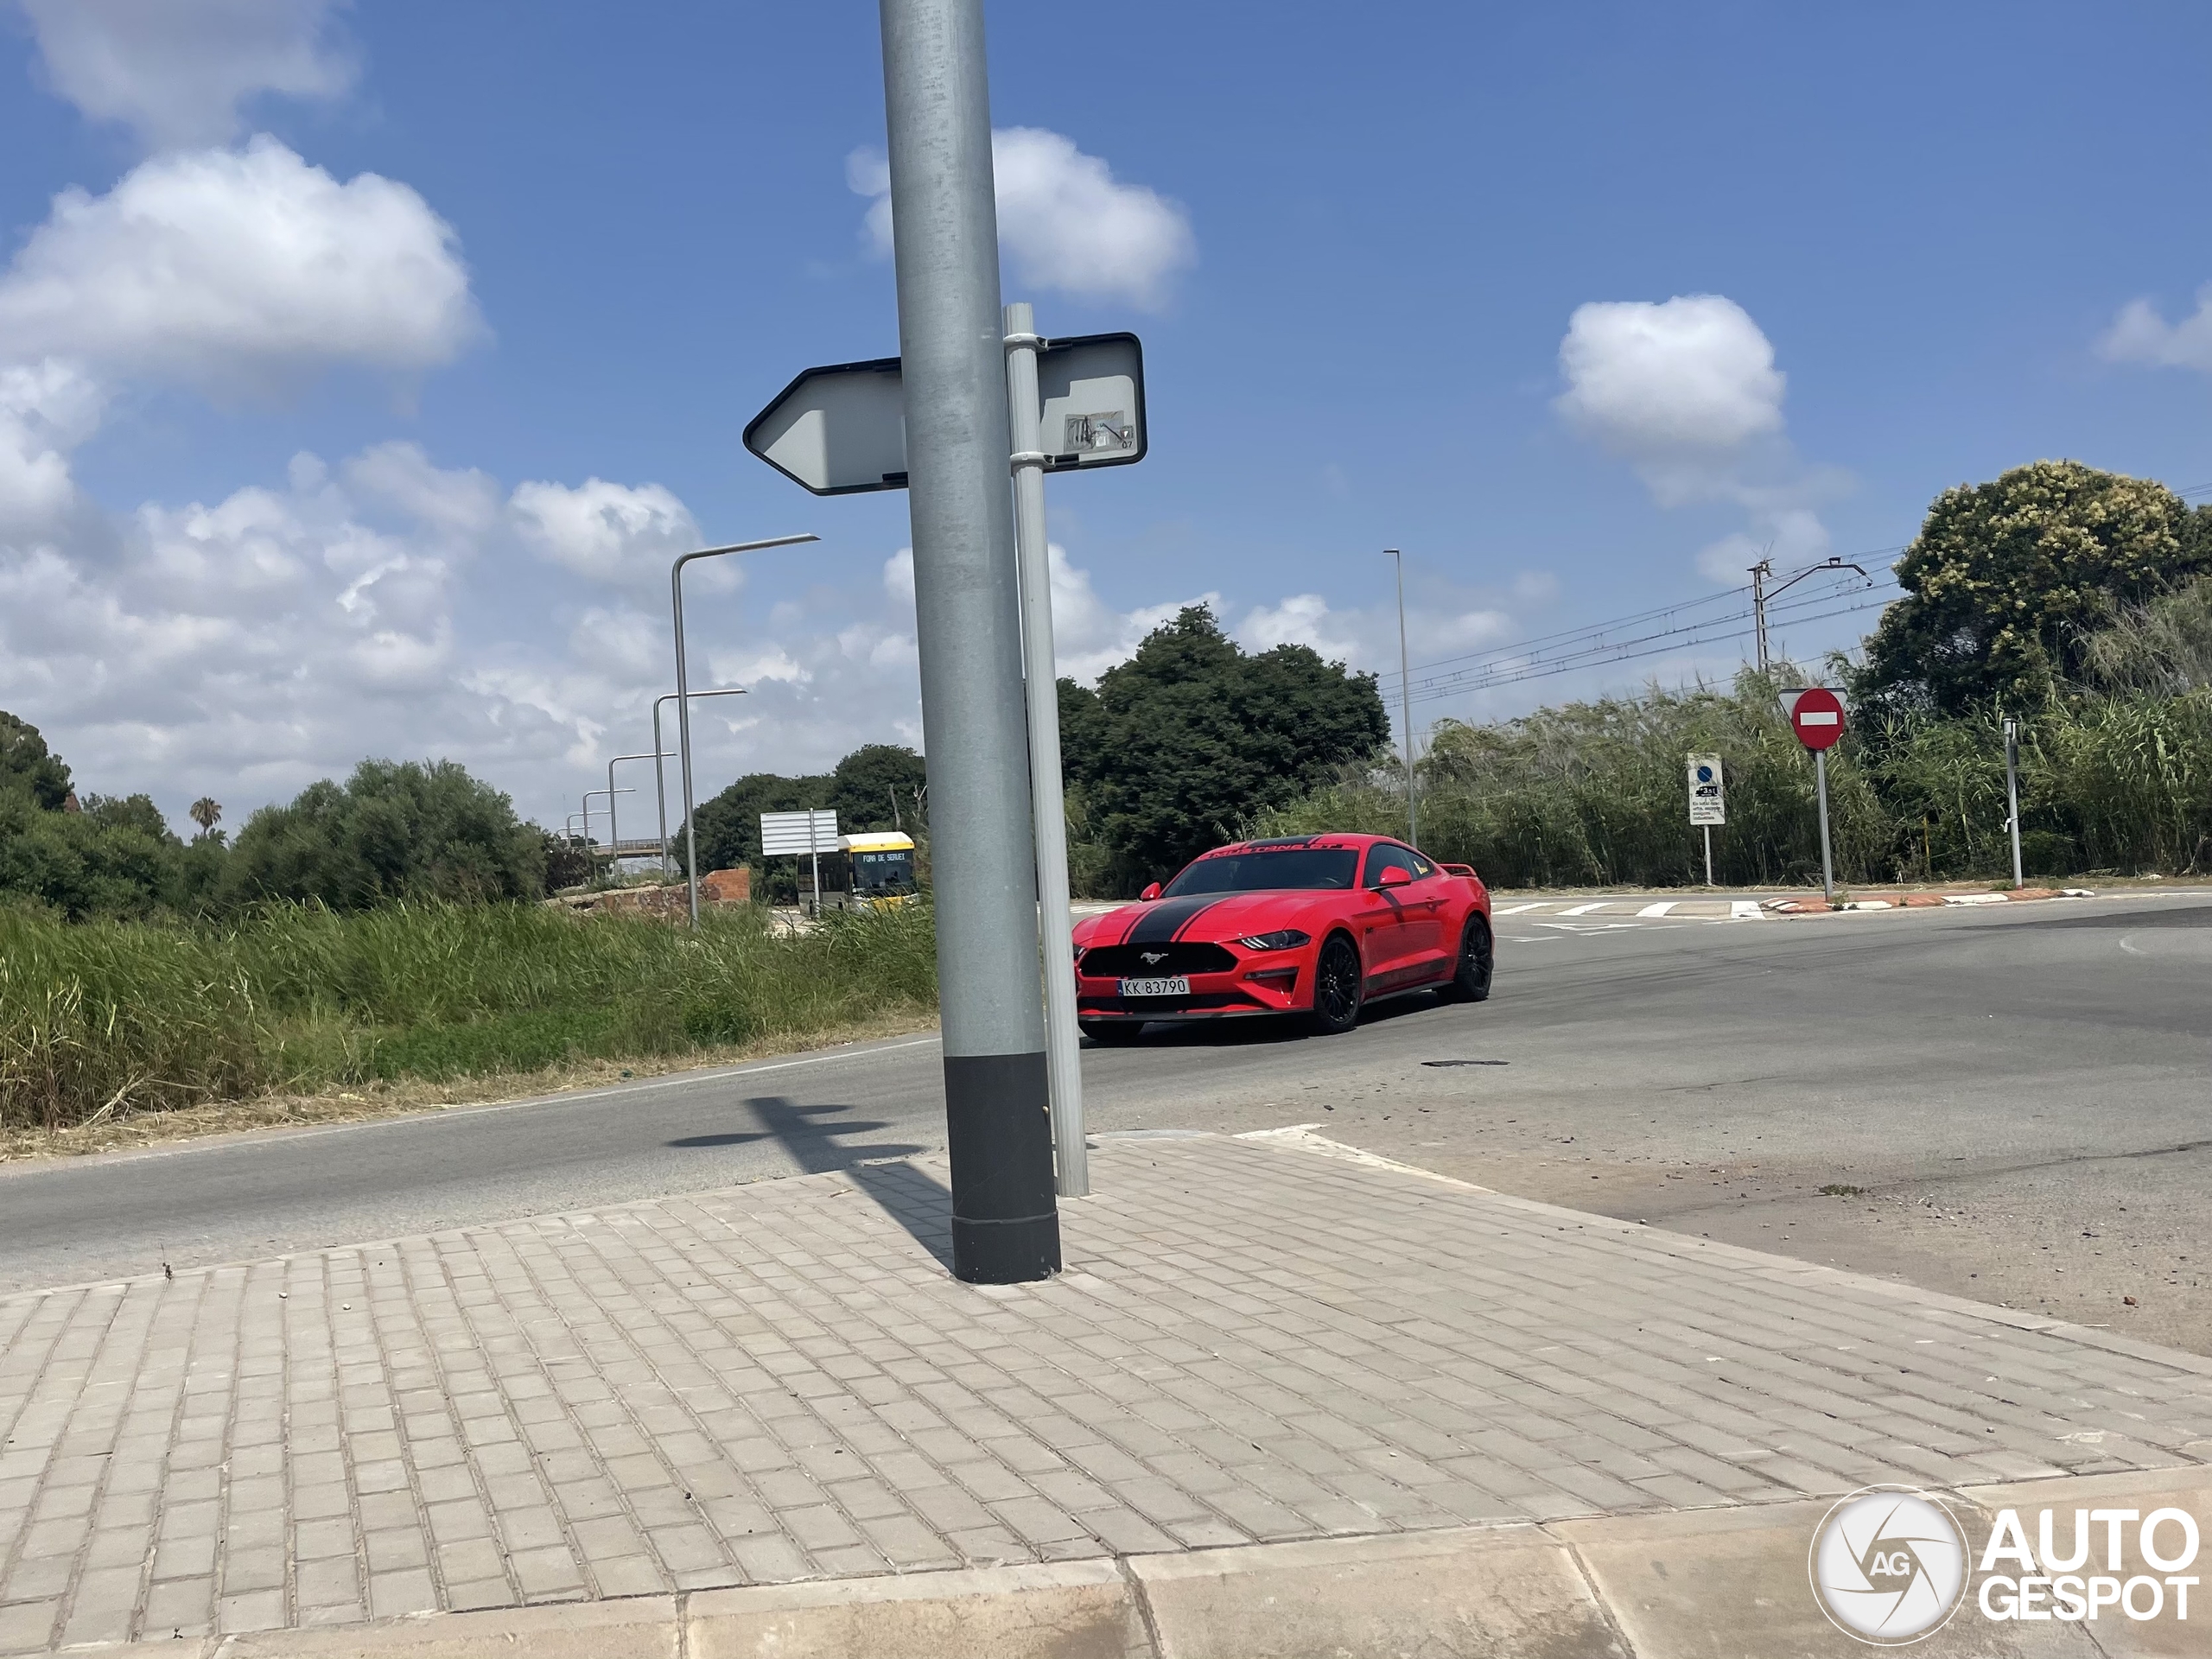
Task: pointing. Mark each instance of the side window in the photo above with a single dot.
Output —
(1384, 856)
(1422, 868)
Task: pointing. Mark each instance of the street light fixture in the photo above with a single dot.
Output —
(684, 695)
(660, 777)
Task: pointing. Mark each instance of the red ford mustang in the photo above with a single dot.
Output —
(1313, 926)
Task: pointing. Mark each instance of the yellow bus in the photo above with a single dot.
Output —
(882, 862)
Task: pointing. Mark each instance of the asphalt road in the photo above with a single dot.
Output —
(2019, 1094)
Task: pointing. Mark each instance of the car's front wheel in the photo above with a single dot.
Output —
(1338, 986)
(1111, 1034)
(1470, 982)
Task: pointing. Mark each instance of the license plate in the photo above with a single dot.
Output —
(1178, 986)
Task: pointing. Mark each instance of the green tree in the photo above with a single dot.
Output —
(1193, 735)
(26, 765)
(2007, 580)
(401, 829)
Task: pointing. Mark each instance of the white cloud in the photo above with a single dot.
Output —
(1687, 391)
(2141, 334)
(1790, 537)
(238, 269)
(1367, 639)
(46, 409)
(1065, 221)
(612, 532)
(178, 70)
(1693, 375)
(1089, 635)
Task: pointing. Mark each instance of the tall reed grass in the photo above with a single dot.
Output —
(1594, 794)
(106, 1017)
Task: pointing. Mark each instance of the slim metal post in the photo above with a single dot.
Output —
(2012, 793)
(1828, 866)
(946, 253)
(613, 834)
(610, 812)
(683, 696)
(1708, 854)
(1047, 801)
(1406, 701)
(660, 773)
(1760, 572)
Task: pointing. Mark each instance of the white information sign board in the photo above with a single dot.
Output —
(1708, 790)
(783, 835)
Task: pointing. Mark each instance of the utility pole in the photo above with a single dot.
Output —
(2012, 793)
(1763, 572)
(967, 613)
(1406, 701)
(1047, 797)
(1760, 572)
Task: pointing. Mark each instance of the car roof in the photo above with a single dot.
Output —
(1327, 838)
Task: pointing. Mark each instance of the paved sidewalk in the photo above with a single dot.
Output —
(1255, 1342)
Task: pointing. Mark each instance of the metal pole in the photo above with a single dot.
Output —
(660, 772)
(967, 615)
(814, 856)
(610, 810)
(2012, 793)
(683, 696)
(1047, 800)
(1760, 572)
(1406, 701)
(1708, 854)
(1828, 866)
(614, 835)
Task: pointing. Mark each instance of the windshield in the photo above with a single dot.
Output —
(1291, 866)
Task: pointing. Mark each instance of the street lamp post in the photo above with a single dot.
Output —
(1406, 701)
(1762, 595)
(613, 832)
(661, 752)
(684, 695)
(610, 813)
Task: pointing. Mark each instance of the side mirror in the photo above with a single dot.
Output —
(1151, 893)
(1393, 876)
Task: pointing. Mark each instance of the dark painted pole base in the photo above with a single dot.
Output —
(1006, 1221)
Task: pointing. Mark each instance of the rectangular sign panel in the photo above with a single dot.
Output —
(783, 834)
(841, 429)
(1708, 790)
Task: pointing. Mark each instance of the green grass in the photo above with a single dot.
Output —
(131, 1016)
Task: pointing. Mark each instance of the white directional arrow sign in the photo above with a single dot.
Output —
(841, 429)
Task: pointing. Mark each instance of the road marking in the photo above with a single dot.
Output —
(1744, 910)
(1515, 910)
(1582, 910)
(1587, 927)
(1659, 909)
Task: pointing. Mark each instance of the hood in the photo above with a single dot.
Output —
(1210, 916)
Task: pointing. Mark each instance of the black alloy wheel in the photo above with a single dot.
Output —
(1338, 987)
(1111, 1033)
(1470, 980)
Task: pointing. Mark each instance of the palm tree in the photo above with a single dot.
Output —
(207, 812)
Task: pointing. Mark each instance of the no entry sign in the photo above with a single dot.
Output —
(1817, 715)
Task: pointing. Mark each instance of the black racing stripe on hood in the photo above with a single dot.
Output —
(1164, 919)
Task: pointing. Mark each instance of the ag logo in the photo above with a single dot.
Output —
(1889, 1566)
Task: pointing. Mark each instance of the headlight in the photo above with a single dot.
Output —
(1288, 939)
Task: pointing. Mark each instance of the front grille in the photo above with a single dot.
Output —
(1183, 956)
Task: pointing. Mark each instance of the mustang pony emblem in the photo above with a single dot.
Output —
(1153, 957)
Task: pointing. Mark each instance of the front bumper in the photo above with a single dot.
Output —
(1262, 984)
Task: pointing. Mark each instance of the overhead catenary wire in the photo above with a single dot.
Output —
(1613, 641)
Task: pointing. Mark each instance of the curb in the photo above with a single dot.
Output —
(1923, 901)
(1664, 1585)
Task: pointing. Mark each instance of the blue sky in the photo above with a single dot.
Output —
(356, 400)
